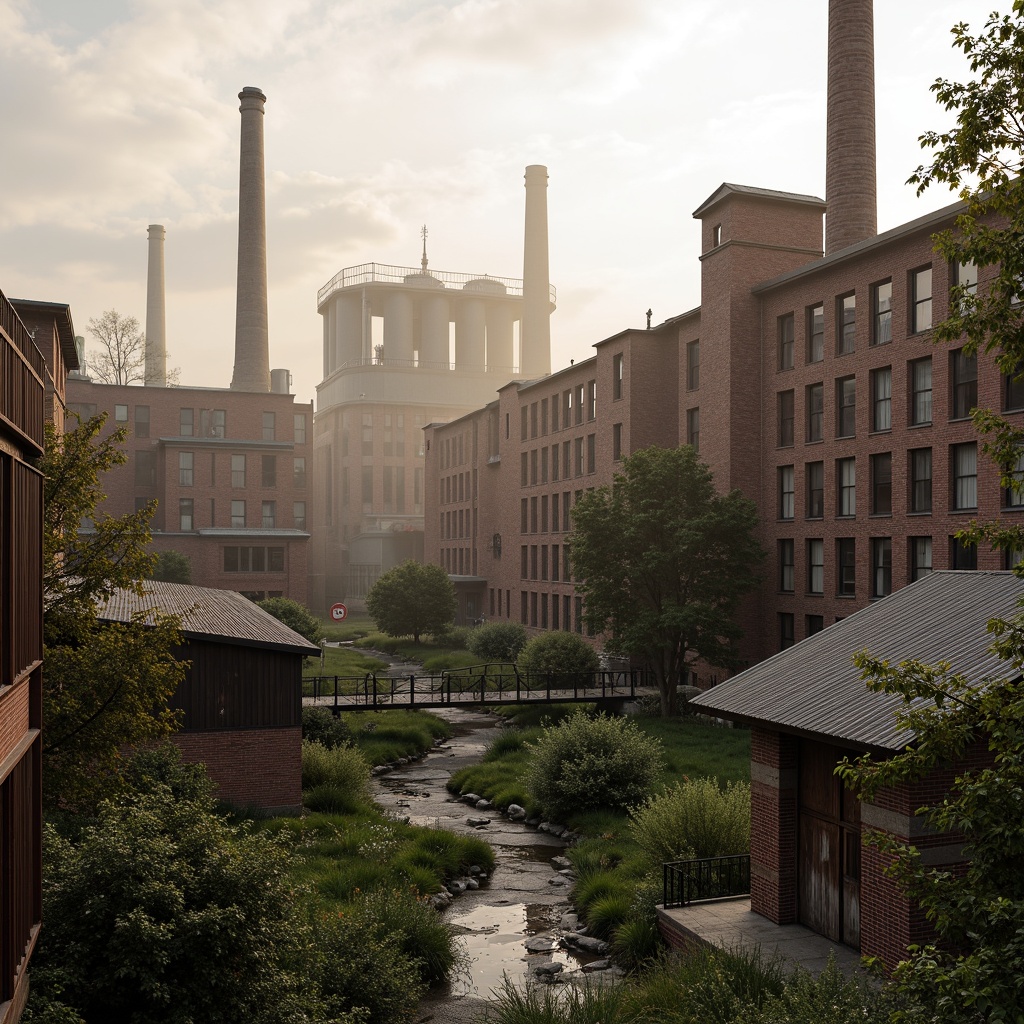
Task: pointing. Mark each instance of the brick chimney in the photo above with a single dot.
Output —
(535, 326)
(850, 147)
(156, 320)
(252, 354)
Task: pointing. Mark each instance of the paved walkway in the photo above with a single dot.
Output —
(732, 924)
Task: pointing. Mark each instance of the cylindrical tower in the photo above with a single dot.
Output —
(850, 133)
(156, 319)
(535, 332)
(470, 332)
(434, 332)
(348, 329)
(252, 350)
(398, 320)
(499, 339)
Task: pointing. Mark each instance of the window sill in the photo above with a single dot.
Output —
(1012, 508)
(845, 437)
(852, 351)
(959, 419)
(813, 593)
(815, 440)
(846, 597)
(847, 517)
(880, 515)
(964, 511)
(880, 430)
(919, 426)
(813, 519)
(923, 512)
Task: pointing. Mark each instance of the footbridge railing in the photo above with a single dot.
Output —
(705, 879)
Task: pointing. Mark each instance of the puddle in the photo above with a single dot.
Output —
(494, 938)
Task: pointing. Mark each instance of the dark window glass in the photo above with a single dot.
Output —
(921, 391)
(846, 566)
(814, 624)
(846, 406)
(786, 638)
(846, 322)
(964, 376)
(962, 556)
(921, 480)
(142, 421)
(881, 484)
(816, 567)
(920, 557)
(785, 400)
(882, 311)
(787, 567)
(815, 474)
(881, 566)
(815, 399)
(921, 318)
(787, 334)
(787, 492)
(965, 476)
(881, 399)
(816, 334)
(693, 366)
(846, 487)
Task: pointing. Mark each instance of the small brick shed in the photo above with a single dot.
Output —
(808, 708)
(242, 693)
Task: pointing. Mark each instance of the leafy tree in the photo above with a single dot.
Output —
(105, 687)
(982, 157)
(497, 641)
(561, 654)
(172, 567)
(412, 599)
(663, 561)
(121, 358)
(161, 912)
(295, 616)
(975, 972)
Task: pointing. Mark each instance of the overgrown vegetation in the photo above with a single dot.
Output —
(566, 656)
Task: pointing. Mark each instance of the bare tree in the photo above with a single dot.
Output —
(122, 358)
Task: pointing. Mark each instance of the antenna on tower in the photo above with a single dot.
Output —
(423, 261)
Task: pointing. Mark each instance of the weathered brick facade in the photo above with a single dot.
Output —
(230, 471)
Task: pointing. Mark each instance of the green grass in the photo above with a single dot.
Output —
(694, 747)
(355, 627)
(384, 736)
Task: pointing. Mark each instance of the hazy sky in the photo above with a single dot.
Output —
(385, 114)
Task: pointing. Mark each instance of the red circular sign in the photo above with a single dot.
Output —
(339, 612)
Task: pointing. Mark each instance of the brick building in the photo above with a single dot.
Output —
(228, 470)
(808, 709)
(37, 343)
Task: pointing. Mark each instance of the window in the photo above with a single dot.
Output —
(300, 428)
(815, 401)
(921, 391)
(120, 414)
(921, 480)
(814, 624)
(716, 235)
(787, 492)
(846, 406)
(186, 520)
(846, 322)
(846, 487)
(962, 555)
(881, 484)
(145, 469)
(881, 566)
(785, 402)
(787, 568)
(1013, 496)
(965, 476)
(617, 368)
(591, 399)
(299, 515)
(963, 372)
(846, 567)
(881, 398)
(142, 421)
(1013, 390)
(213, 422)
(268, 426)
(616, 443)
(237, 470)
(967, 279)
(881, 302)
(238, 515)
(578, 456)
(186, 422)
(269, 466)
(693, 366)
(578, 400)
(920, 557)
(185, 467)
(816, 334)
(247, 559)
(693, 428)
(299, 472)
(786, 638)
(921, 298)
(269, 515)
(815, 476)
(787, 333)
(815, 567)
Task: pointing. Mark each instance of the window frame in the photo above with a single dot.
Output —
(814, 481)
(921, 280)
(881, 312)
(881, 484)
(846, 387)
(917, 393)
(786, 341)
(816, 333)
(881, 403)
(846, 326)
(814, 410)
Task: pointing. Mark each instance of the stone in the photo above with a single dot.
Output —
(478, 822)
(597, 965)
(549, 970)
(472, 883)
(568, 922)
(561, 862)
(533, 821)
(558, 880)
(475, 869)
(589, 944)
(471, 798)
(456, 888)
(484, 805)
(516, 813)
(540, 944)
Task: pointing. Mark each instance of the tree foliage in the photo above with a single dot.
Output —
(412, 599)
(106, 687)
(566, 656)
(295, 616)
(497, 641)
(663, 561)
(982, 156)
(975, 971)
(172, 567)
(121, 358)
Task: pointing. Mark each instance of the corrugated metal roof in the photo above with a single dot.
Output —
(813, 688)
(208, 614)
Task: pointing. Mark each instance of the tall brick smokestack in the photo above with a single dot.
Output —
(252, 353)
(156, 320)
(535, 326)
(850, 149)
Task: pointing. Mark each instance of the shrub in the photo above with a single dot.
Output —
(319, 725)
(637, 943)
(172, 567)
(497, 641)
(587, 763)
(343, 768)
(606, 914)
(559, 653)
(452, 636)
(295, 616)
(412, 599)
(147, 771)
(694, 819)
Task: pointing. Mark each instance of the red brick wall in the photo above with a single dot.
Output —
(773, 825)
(250, 766)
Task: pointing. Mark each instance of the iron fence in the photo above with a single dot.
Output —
(705, 879)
